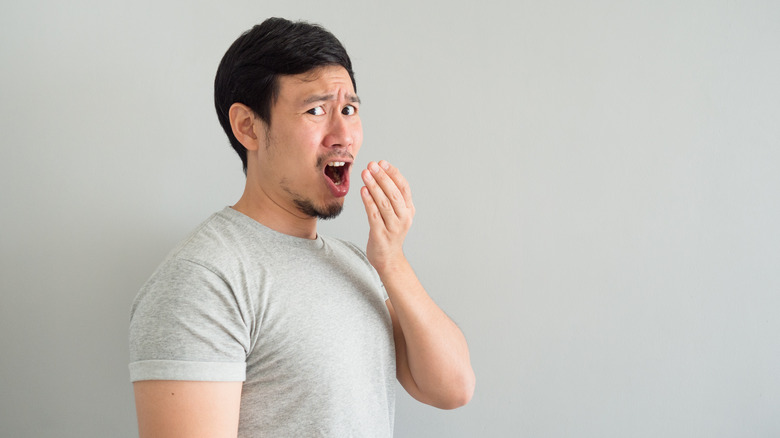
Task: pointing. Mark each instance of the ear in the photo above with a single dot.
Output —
(242, 121)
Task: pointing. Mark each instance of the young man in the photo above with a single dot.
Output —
(256, 325)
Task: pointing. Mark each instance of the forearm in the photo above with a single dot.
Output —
(434, 364)
(432, 357)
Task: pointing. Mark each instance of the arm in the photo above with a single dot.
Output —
(169, 408)
(433, 362)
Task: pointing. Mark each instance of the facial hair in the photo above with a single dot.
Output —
(306, 206)
(328, 212)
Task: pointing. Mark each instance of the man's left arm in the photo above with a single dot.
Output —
(432, 356)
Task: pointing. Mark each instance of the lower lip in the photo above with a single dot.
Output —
(341, 190)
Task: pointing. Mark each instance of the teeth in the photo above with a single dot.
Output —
(336, 164)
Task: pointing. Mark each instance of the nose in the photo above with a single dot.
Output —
(341, 131)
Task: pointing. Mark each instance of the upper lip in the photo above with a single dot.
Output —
(346, 158)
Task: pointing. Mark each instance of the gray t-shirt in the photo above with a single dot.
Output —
(302, 322)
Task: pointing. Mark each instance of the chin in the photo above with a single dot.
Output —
(321, 212)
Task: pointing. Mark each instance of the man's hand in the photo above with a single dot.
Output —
(388, 202)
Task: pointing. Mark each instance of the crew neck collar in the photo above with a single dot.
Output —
(240, 218)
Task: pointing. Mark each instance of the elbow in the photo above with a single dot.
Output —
(459, 394)
(455, 401)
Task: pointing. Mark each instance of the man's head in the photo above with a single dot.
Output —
(285, 95)
(250, 70)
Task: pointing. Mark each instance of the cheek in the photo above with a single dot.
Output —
(307, 143)
(357, 138)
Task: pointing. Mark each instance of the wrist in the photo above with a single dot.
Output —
(392, 265)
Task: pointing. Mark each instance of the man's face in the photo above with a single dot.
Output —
(315, 134)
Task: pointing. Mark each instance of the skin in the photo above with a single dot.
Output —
(316, 117)
(432, 356)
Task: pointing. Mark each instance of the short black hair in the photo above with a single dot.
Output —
(249, 71)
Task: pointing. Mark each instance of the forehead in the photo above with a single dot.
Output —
(321, 81)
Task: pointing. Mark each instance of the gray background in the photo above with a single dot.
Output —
(596, 183)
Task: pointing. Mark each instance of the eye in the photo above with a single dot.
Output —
(316, 111)
(349, 110)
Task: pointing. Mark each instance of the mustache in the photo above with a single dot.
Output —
(334, 155)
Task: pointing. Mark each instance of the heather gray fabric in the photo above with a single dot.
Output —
(302, 322)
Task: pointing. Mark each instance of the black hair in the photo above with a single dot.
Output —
(249, 71)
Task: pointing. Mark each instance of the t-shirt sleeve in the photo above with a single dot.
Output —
(187, 324)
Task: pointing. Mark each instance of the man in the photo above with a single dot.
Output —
(256, 325)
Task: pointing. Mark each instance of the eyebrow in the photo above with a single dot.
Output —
(326, 97)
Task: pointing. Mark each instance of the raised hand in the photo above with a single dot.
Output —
(388, 202)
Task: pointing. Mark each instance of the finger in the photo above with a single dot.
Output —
(390, 189)
(372, 211)
(383, 204)
(400, 182)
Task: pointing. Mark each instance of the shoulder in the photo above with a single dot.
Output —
(219, 242)
(346, 249)
(353, 258)
(209, 259)
(219, 235)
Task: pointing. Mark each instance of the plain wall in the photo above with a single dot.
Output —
(597, 190)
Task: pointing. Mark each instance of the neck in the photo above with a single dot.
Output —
(286, 220)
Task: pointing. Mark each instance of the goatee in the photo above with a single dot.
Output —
(328, 212)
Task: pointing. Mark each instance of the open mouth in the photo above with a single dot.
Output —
(337, 177)
(336, 171)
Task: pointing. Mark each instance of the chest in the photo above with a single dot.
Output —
(317, 320)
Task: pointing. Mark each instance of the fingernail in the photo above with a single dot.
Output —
(385, 165)
(367, 176)
(373, 167)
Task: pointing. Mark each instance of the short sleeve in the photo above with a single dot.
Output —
(187, 324)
